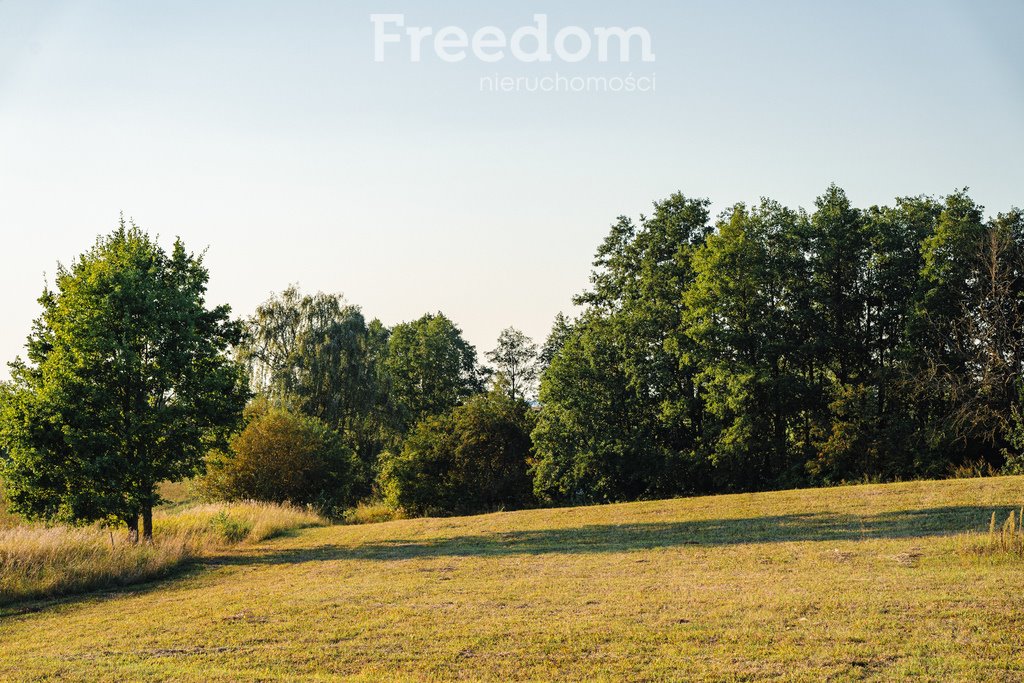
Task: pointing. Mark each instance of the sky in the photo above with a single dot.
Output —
(269, 135)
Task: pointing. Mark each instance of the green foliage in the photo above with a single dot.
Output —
(1014, 454)
(316, 355)
(561, 328)
(515, 358)
(128, 383)
(746, 316)
(593, 436)
(319, 354)
(231, 529)
(768, 348)
(784, 348)
(431, 368)
(472, 459)
(284, 456)
(619, 412)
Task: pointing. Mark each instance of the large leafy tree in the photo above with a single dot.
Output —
(989, 331)
(596, 438)
(745, 313)
(838, 245)
(939, 331)
(873, 428)
(128, 382)
(431, 368)
(619, 416)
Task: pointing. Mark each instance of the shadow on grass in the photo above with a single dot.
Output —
(191, 567)
(593, 538)
(613, 538)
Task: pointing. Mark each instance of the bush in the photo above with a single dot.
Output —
(470, 460)
(7, 518)
(283, 456)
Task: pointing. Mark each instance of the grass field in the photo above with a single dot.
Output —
(865, 582)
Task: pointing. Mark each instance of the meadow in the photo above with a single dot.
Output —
(46, 561)
(853, 583)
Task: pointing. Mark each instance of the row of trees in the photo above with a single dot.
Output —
(418, 420)
(770, 347)
(778, 347)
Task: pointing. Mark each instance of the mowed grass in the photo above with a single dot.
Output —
(867, 582)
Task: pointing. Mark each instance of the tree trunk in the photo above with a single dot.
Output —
(147, 523)
(133, 529)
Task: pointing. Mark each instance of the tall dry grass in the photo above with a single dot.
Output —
(1002, 539)
(371, 512)
(217, 524)
(38, 561)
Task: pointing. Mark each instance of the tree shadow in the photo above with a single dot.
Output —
(189, 568)
(586, 539)
(615, 538)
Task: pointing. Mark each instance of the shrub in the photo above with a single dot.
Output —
(472, 459)
(283, 456)
(7, 518)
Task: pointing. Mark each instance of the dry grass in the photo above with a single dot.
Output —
(216, 524)
(38, 561)
(851, 583)
(1004, 539)
(372, 512)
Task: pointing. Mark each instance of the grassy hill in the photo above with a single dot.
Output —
(844, 583)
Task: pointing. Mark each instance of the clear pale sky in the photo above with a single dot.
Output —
(267, 133)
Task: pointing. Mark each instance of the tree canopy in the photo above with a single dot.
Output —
(763, 347)
(128, 382)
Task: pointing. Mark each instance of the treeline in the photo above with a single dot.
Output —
(779, 347)
(768, 347)
(347, 409)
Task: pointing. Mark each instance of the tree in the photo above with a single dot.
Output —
(988, 334)
(745, 317)
(319, 352)
(561, 328)
(515, 358)
(472, 459)
(431, 368)
(1015, 452)
(950, 283)
(128, 383)
(838, 258)
(284, 456)
(595, 438)
(619, 417)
